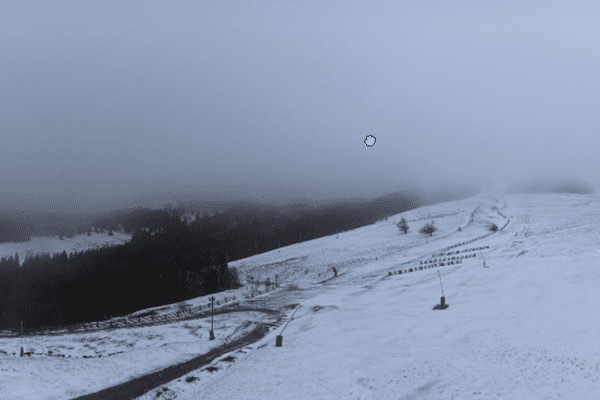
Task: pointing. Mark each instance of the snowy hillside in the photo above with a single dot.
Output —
(56, 245)
(524, 328)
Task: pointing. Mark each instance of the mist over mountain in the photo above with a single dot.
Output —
(20, 225)
(546, 185)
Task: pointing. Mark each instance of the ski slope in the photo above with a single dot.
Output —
(525, 327)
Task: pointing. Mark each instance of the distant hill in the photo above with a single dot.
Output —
(13, 231)
(550, 186)
(21, 226)
(54, 245)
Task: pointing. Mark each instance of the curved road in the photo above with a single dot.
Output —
(280, 300)
(142, 385)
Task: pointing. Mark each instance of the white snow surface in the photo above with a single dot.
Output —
(524, 328)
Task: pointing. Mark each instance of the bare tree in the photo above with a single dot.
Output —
(428, 229)
(403, 226)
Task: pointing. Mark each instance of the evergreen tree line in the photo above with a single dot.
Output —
(87, 286)
(8, 263)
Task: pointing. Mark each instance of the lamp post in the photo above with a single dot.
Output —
(212, 311)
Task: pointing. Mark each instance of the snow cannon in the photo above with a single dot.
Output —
(442, 305)
(279, 338)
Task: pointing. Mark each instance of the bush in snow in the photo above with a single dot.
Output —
(183, 307)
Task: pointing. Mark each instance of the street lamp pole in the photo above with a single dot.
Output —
(212, 312)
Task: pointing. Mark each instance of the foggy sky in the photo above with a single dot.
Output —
(113, 98)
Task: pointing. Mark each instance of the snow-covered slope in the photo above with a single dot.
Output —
(56, 245)
(523, 328)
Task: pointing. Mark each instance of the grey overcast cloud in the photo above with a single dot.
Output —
(111, 98)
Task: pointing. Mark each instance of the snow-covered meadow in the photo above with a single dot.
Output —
(54, 244)
(66, 366)
(523, 328)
